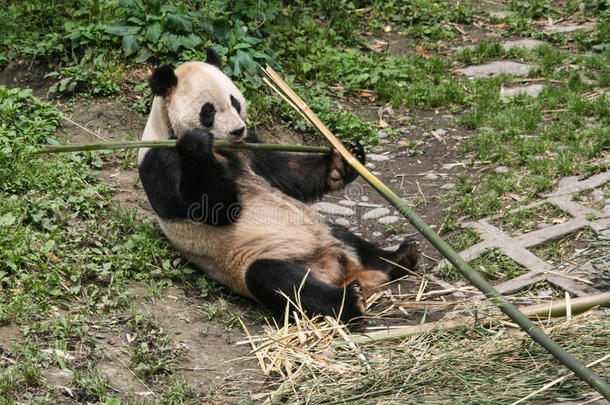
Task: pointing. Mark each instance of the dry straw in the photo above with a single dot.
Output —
(536, 333)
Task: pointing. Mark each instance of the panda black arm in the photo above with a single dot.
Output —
(189, 182)
(305, 177)
(207, 182)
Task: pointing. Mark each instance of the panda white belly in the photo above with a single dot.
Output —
(271, 226)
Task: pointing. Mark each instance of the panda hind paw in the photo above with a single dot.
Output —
(353, 306)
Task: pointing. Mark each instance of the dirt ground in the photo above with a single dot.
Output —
(415, 165)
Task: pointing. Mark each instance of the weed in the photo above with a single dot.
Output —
(179, 392)
(492, 264)
(91, 385)
(153, 351)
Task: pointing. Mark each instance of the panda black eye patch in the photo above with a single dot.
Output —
(235, 104)
(207, 114)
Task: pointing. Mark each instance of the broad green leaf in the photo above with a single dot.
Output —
(190, 41)
(130, 44)
(153, 32)
(173, 42)
(180, 23)
(143, 54)
(7, 219)
(252, 40)
(123, 30)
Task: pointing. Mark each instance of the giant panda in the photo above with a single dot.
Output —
(240, 215)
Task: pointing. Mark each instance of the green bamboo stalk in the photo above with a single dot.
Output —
(170, 143)
(443, 247)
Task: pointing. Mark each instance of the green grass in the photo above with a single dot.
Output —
(491, 264)
(69, 255)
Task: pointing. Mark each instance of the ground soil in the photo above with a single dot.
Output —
(213, 360)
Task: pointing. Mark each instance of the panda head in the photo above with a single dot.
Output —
(197, 95)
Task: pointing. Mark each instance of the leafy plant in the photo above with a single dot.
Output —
(155, 29)
(93, 74)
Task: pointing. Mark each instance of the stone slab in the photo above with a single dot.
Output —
(496, 68)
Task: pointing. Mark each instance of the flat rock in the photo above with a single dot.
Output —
(332, 209)
(431, 176)
(440, 132)
(369, 205)
(501, 169)
(377, 157)
(495, 68)
(448, 186)
(390, 219)
(564, 29)
(347, 203)
(532, 90)
(376, 213)
(566, 181)
(342, 222)
(522, 43)
(507, 45)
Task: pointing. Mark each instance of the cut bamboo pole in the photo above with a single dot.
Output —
(171, 143)
(538, 311)
(447, 251)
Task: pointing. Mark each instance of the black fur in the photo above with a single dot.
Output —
(189, 182)
(371, 256)
(212, 57)
(162, 79)
(301, 176)
(266, 278)
(207, 115)
(235, 104)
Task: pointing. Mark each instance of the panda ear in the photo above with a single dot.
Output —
(212, 57)
(162, 79)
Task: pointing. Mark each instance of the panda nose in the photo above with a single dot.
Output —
(238, 131)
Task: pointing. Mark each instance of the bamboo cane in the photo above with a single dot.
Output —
(538, 311)
(170, 143)
(447, 251)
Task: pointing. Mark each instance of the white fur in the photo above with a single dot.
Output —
(178, 111)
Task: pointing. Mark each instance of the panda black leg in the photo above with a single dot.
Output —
(266, 278)
(373, 257)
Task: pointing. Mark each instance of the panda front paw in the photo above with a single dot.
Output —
(341, 172)
(195, 142)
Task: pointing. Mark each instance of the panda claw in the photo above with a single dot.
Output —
(353, 306)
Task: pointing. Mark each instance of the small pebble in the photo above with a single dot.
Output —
(431, 176)
(369, 205)
(332, 209)
(376, 173)
(375, 213)
(390, 219)
(347, 203)
(441, 132)
(377, 157)
(377, 234)
(382, 134)
(370, 165)
(388, 111)
(562, 147)
(342, 222)
(448, 186)
(501, 169)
